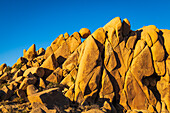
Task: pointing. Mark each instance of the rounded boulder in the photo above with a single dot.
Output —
(84, 32)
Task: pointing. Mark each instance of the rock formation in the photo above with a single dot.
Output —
(114, 70)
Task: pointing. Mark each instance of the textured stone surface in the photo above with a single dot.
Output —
(35, 71)
(131, 40)
(107, 89)
(48, 52)
(62, 53)
(139, 47)
(49, 97)
(69, 80)
(57, 42)
(50, 63)
(114, 70)
(158, 52)
(31, 79)
(73, 41)
(152, 33)
(100, 36)
(145, 36)
(134, 93)
(41, 51)
(142, 64)
(89, 72)
(166, 35)
(110, 61)
(56, 76)
(30, 53)
(84, 32)
(159, 67)
(31, 90)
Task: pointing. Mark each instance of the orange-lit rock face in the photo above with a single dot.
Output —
(84, 32)
(115, 68)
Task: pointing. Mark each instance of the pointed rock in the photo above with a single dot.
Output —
(70, 93)
(1, 73)
(73, 41)
(100, 37)
(62, 53)
(57, 42)
(50, 63)
(108, 107)
(48, 52)
(73, 60)
(125, 27)
(41, 51)
(69, 80)
(42, 83)
(56, 76)
(24, 52)
(31, 53)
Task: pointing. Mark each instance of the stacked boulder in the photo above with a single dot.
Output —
(115, 68)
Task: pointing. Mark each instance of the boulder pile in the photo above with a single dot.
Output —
(115, 70)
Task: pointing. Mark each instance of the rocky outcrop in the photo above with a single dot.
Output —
(114, 70)
(30, 53)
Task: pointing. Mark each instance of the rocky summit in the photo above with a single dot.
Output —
(114, 70)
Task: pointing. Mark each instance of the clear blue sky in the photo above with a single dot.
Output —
(27, 22)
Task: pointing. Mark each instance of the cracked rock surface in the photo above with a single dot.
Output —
(114, 70)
